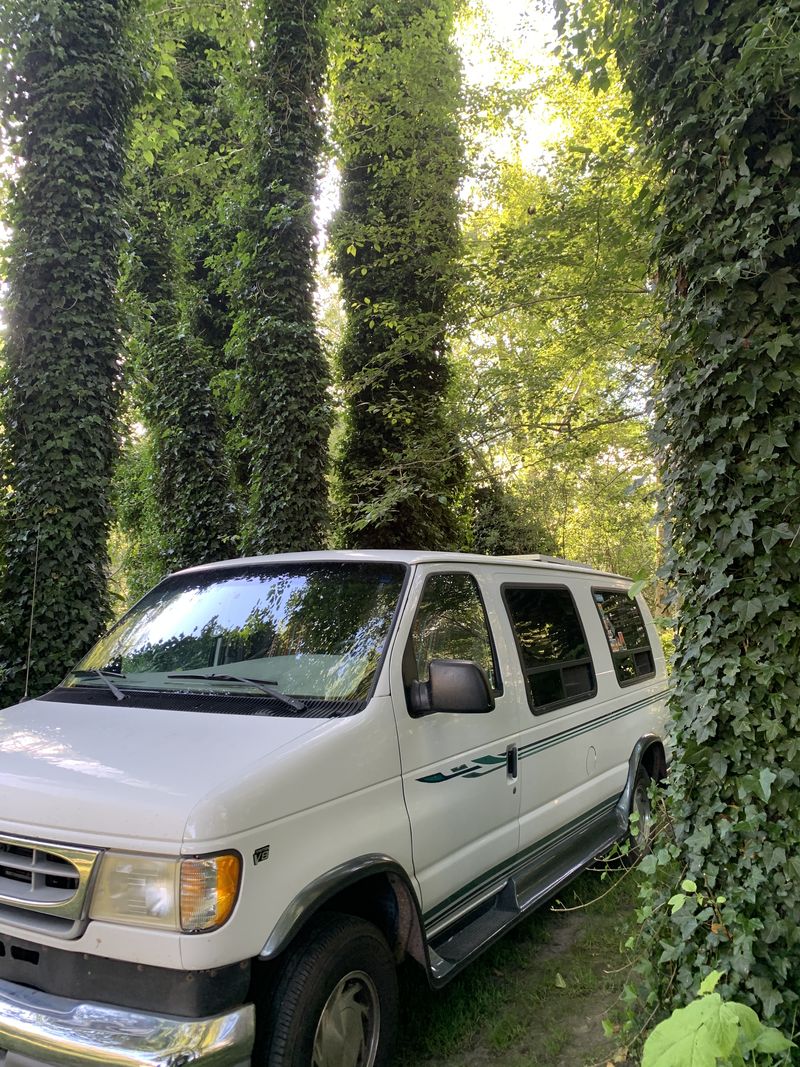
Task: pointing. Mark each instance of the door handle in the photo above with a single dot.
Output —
(512, 763)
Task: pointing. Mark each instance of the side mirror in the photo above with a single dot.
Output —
(455, 685)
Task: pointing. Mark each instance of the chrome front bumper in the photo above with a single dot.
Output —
(37, 1028)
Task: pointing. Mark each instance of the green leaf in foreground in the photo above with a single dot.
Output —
(694, 1036)
(709, 983)
(710, 1031)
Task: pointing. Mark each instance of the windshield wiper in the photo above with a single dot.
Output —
(266, 687)
(104, 676)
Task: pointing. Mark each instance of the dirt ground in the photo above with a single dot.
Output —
(537, 999)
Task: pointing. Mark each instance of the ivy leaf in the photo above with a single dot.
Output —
(781, 155)
(776, 287)
(676, 902)
(766, 778)
(648, 864)
(718, 764)
(766, 992)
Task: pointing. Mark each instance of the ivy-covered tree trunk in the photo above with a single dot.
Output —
(68, 88)
(194, 503)
(715, 88)
(179, 322)
(286, 416)
(209, 241)
(396, 100)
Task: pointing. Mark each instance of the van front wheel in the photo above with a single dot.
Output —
(335, 1000)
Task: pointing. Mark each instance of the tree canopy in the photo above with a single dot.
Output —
(461, 358)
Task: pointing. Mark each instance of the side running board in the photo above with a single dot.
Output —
(547, 871)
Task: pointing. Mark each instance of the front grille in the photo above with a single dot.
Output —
(44, 886)
(48, 877)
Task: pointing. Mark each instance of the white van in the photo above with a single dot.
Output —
(275, 778)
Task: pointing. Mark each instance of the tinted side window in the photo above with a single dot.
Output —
(555, 656)
(450, 624)
(626, 634)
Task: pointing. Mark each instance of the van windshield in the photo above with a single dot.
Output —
(311, 631)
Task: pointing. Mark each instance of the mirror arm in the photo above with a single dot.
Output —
(420, 698)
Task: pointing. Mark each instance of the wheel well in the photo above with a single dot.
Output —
(388, 903)
(654, 762)
(383, 898)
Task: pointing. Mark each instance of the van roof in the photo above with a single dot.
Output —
(375, 555)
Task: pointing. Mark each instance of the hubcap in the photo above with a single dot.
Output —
(350, 1024)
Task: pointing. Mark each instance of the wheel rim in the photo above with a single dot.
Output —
(349, 1026)
(641, 805)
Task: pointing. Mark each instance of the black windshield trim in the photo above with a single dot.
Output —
(251, 704)
(316, 707)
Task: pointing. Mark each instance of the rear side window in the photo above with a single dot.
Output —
(626, 634)
(555, 656)
(450, 624)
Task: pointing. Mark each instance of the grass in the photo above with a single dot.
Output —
(535, 999)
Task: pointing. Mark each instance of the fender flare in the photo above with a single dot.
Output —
(640, 749)
(323, 888)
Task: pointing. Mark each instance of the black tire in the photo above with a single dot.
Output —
(340, 971)
(640, 836)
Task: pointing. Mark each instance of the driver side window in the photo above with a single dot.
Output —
(450, 624)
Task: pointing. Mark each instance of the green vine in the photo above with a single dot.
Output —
(396, 95)
(67, 88)
(715, 91)
(284, 375)
(196, 513)
(178, 321)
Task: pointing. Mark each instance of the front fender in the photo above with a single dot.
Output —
(328, 885)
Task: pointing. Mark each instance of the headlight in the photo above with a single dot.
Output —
(187, 895)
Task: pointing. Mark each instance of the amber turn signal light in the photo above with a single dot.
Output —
(209, 888)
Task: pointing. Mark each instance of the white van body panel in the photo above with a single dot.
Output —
(119, 776)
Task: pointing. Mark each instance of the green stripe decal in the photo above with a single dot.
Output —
(474, 769)
(508, 868)
(481, 765)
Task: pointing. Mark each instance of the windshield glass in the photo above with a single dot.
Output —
(313, 631)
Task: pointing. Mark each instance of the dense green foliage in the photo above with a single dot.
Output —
(491, 345)
(716, 94)
(557, 334)
(504, 523)
(178, 320)
(67, 92)
(285, 410)
(395, 99)
(196, 515)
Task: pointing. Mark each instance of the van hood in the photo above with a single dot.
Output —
(125, 776)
